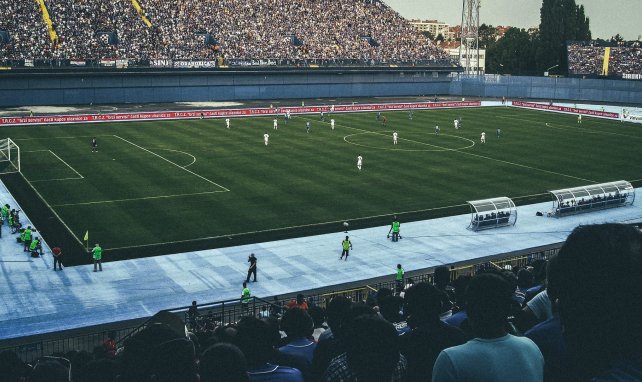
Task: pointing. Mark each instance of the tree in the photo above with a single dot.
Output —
(428, 35)
(560, 21)
(512, 54)
(617, 38)
(487, 36)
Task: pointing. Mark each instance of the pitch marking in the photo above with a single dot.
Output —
(60, 159)
(182, 152)
(225, 189)
(77, 137)
(307, 225)
(133, 199)
(485, 157)
(439, 148)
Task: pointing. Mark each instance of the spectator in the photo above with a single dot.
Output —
(223, 362)
(254, 340)
(318, 317)
(174, 361)
(390, 308)
(298, 326)
(442, 281)
(372, 353)
(137, 354)
(599, 296)
(548, 334)
(494, 355)
(298, 303)
(337, 308)
(277, 357)
(102, 370)
(12, 367)
(332, 347)
(429, 335)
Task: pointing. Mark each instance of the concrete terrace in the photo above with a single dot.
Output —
(35, 299)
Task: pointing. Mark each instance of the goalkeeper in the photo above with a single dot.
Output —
(394, 229)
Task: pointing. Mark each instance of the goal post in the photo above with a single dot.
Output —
(9, 156)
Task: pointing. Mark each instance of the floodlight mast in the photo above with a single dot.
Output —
(469, 43)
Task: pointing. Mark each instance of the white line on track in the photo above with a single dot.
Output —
(169, 161)
(133, 199)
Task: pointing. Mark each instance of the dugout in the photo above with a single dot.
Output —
(575, 200)
(492, 213)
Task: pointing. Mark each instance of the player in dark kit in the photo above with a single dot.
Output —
(94, 145)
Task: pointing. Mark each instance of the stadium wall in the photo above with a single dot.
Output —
(573, 89)
(78, 88)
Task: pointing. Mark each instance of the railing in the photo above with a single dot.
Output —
(230, 311)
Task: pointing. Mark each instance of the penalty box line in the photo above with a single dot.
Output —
(63, 161)
(225, 189)
(483, 157)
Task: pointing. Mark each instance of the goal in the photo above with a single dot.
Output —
(9, 156)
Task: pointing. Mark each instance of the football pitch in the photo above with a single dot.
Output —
(152, 183)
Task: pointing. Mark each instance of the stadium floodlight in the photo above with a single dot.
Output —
(469, 43)
(9, 156)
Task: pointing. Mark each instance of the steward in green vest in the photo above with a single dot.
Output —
(245, 297)
(394, 228)
(97, 253)
(346, 245)
(399, 278)
(27, 239)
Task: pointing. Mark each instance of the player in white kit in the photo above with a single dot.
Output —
(266, 138)
(332, 124)
(456, 122)
(483, 137)
(227, 123)
(359, 162)
(579, 119)
(394, 137)
(276, 124)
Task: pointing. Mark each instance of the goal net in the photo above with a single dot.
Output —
(9, 156)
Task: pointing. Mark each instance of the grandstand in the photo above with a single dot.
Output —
(151, 31)
(592, 59)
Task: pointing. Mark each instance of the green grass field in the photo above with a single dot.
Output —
(160, 182)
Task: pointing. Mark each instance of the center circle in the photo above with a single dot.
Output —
(430, 147)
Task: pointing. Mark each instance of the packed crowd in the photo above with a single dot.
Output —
(626, 59)
(28, 33)
(498, 325)
(587, 58)
(77, 24)
(584, 58)
(262, 29)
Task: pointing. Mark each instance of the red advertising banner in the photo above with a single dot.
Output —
(148, 116)
(565, 109)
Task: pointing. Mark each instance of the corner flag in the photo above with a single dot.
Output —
(86, 236)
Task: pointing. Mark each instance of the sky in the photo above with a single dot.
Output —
(607, 17)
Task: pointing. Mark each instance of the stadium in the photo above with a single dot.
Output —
(148, 148)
